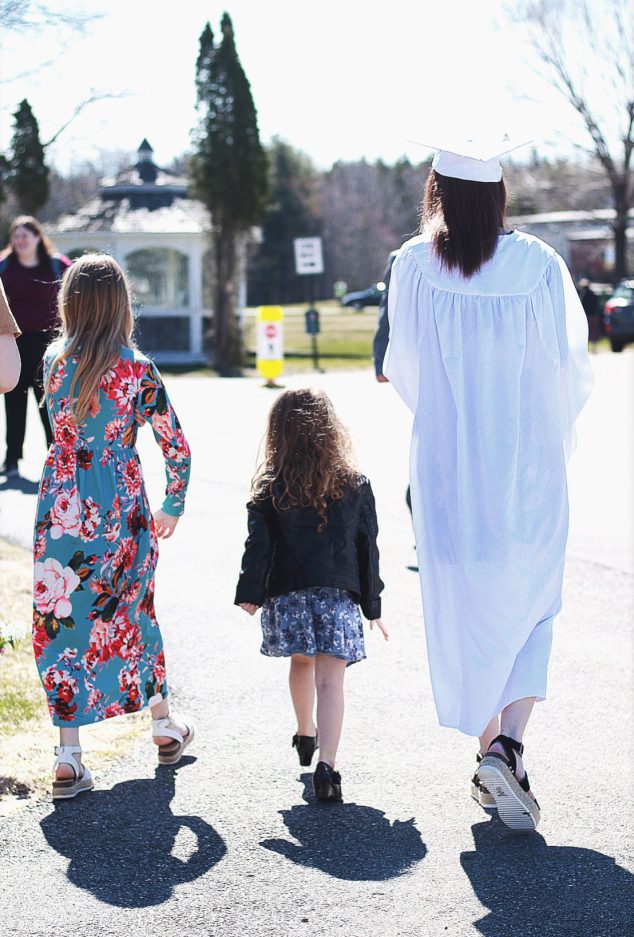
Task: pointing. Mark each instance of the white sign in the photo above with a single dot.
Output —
(308, 255)
(270, 343)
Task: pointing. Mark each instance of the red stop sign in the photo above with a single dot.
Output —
(270, 331)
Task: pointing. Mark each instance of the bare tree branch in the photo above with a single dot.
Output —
(91, 99)
(595, 83)
(20, 15)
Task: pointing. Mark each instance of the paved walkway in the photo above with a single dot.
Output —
(232, 844)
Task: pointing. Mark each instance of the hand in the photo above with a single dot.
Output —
(379, 624)
(249, 607)
(139, 418)
(382, 379)
(164, 524)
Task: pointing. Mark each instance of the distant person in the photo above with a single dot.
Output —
(590, 304)
(9, 354)
(97, 642)
(380, 343)
(30, 272)
(382, 334)
(488, 349)
(310, 560)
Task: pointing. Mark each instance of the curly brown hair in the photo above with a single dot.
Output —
(308, 455)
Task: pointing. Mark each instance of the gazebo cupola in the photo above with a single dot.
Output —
(145, 165)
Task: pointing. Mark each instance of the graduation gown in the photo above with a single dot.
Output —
(495, 369)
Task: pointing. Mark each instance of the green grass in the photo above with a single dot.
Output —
(16, 709)
(345, 340)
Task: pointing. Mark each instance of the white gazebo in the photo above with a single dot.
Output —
(146, 221)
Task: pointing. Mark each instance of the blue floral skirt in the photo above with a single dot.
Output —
(313, 621)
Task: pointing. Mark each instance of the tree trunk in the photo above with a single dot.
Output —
(619, 227)
(227, 335)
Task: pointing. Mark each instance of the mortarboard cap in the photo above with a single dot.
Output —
(474, 159)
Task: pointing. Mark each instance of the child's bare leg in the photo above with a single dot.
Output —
(68, 737)
(160, 711)
(329, 674)
(489, 734)
(301, 681)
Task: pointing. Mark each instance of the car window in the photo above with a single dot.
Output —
(623, 292)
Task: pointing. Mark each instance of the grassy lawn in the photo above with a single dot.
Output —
(345, 340)
(26, 734)
(344, 343)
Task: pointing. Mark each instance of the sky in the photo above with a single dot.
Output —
(338, 80)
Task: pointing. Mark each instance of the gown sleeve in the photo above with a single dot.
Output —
(576, 377)
(402, 361)
(155, 406)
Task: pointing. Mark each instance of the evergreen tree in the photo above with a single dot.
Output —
(293, 212)
(28, 172)
(229, 170)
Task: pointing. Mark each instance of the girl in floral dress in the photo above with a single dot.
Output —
(96, 640)
(310, 560)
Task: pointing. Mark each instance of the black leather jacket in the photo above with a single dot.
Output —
(285, 551)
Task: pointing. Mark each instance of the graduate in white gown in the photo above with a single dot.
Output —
(488, 348)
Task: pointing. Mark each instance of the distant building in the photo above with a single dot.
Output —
(146, 221)
(583, 238)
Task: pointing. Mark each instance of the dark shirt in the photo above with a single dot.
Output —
(589, 301)
(32, 293)
(382, 334)
(286, 551)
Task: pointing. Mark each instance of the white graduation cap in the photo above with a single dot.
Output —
(474, 159)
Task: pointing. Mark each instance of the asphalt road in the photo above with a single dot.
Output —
(231, 842)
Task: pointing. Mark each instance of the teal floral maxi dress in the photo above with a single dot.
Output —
(96, 640)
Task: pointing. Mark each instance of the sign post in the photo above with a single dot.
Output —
(313, 329)
(309, 261)
(270, 343)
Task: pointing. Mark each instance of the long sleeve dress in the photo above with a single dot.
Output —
(495, 369)
(96, 639)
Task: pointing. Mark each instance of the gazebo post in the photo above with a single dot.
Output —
(195, 300)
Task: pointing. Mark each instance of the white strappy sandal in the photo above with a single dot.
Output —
(171, 753)
(70, 787)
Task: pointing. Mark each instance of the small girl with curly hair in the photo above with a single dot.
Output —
(310, 561)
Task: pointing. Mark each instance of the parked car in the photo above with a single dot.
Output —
(361, 298)
(618, 315)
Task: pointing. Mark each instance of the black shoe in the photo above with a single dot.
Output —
(10, 468)
(327, 784)
(305, 745)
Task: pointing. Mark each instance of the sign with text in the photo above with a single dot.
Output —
(270, 341)
(308, 256)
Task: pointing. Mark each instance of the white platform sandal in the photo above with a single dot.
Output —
(171, 753)
(70, 787)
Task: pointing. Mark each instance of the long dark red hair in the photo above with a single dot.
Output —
(464, 219)
(308, 458)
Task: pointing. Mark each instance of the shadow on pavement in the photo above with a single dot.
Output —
(348, 841)
(546, 890)
(121, 842)
(17, 483)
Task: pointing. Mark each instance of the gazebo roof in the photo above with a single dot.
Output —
(181, 216)
(141, 198)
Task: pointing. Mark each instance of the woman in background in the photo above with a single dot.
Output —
(30, 272)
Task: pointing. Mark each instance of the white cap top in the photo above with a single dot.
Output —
(476, 160)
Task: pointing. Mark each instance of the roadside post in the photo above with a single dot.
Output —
(313, 328)
(270, 343)
(309, 262)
